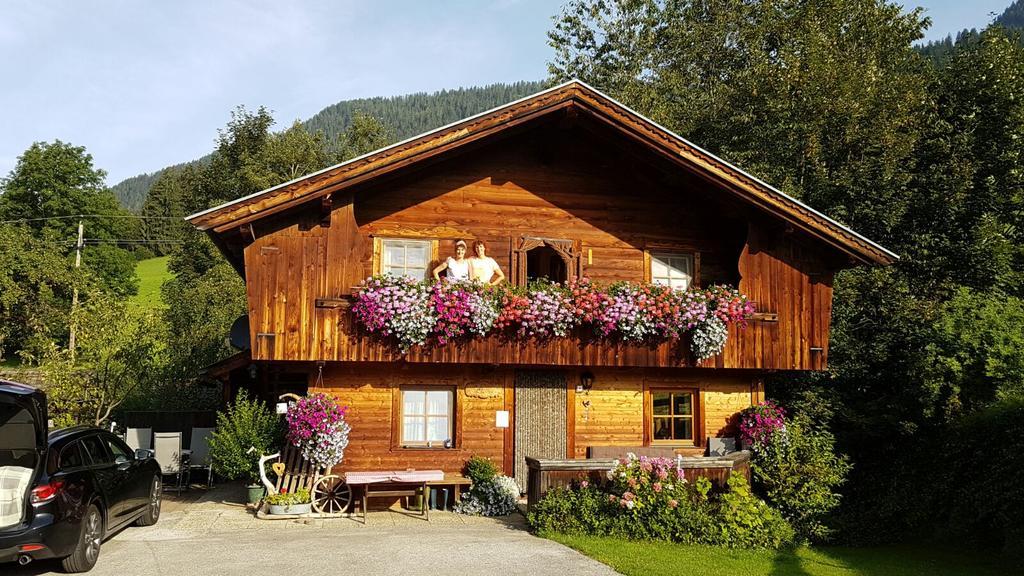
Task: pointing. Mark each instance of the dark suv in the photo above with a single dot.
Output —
(61, 493)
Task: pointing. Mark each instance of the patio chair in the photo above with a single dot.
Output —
(172, 459)
(139, 438)
(199, 459)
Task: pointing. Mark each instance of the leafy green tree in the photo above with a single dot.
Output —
(364, 135)
(119, 353)
(51, 185)
(36, 283)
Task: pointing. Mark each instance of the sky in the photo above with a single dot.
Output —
(144, 84)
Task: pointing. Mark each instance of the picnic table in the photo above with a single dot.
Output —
(381, 483)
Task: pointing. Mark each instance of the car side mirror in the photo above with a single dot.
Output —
(143, 454)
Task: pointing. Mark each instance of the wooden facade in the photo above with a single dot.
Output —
(599, 188)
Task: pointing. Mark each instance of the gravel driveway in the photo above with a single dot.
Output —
(218, 540)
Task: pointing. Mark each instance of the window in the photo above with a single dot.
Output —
(406, 257)
(119, 449)
(673, 270)
(96, 451)
(427, 417)
(672, 414)
(70, 457)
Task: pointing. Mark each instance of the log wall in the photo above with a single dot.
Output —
(611, 204)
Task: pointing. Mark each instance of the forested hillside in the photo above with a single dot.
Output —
(404, 116)
(939, 51)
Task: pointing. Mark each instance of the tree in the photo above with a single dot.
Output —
(36, 282)
(119, 353)
(50, 187)
(364, 135)
(822, 99)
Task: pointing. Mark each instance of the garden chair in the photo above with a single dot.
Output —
(139, 438)
(172, 459)
(199, 459)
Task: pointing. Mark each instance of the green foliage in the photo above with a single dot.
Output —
(745, 521)
(199, 313)
(118, 354)
(480, 470)
(300, 496)
(247, 423)
(365, 135)
(54, 183)
(36, 283)
(799, 473)
(649, 499)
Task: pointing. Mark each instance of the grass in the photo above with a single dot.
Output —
(665, 559)
(152, 273)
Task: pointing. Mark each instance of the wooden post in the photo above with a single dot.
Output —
(74, 294)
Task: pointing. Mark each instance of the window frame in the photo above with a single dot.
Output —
(658, 252)
(697, 418)
(379, 252)
(398, 441)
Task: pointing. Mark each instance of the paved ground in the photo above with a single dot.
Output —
(208, 536)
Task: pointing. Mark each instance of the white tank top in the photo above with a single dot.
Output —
(457, 270)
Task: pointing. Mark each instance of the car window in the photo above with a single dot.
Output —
(118, 449)
(97, 453)
(70, 457)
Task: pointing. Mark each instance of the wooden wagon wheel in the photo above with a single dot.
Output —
(331, 494)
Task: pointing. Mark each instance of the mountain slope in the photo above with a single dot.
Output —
(404, 116)
(938, 51)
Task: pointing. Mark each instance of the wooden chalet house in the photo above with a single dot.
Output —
(565, 183)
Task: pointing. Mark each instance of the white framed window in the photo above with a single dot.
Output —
(673, 270)
(410, 258)
(428, 416)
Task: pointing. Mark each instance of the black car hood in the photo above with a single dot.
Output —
(33, 401)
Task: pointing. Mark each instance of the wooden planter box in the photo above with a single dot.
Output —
(545, 474)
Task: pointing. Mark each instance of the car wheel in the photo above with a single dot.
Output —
(88, 549)
(152, 513)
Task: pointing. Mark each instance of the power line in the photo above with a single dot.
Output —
(79, 216)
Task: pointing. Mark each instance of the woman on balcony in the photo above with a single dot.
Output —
(483, 268)
(457, 267)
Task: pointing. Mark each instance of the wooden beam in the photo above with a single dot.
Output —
(326, 204)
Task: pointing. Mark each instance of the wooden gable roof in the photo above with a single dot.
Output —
(577, 97)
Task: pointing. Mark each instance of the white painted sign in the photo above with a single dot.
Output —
(282, 407)
(501, 419)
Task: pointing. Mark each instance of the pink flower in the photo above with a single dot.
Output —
(657, 486)
(673, 503)
(628, 495)
(584, 484)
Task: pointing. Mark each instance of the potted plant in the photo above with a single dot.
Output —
(286, 502)
(247, 424)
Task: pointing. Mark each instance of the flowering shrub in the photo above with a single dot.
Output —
(638, 313)
(286, 498)
(495, 497)
(316, 425)
(760, 423)
(650, 499)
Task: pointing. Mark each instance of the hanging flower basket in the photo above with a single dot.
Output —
(317, 427)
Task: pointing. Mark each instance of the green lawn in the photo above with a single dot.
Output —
(151, 273)
(665, 559)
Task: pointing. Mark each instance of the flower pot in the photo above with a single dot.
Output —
(254, 493)
(290, 508)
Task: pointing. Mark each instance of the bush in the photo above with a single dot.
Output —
(798, 471)
(480, 470)
(495, 497)
(247, 423)
(649, 499)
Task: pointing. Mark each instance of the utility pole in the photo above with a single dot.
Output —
(74, 295)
